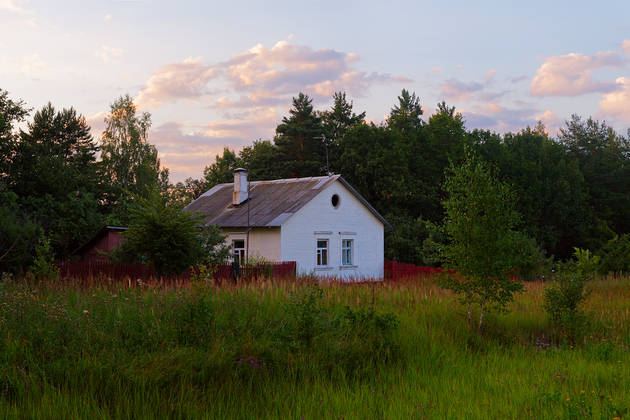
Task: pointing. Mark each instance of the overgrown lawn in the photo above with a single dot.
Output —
(280, 349)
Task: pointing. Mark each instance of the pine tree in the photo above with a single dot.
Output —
(299, 140)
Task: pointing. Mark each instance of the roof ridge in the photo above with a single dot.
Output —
(279, 180)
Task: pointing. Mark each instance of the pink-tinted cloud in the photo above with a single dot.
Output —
(187, 152)
(15, 6)
(264, 76)
(571, 74)
(184, 80)
(625, 46)
(459, 91)
(96, 122)
(499, 118)
(550, 120)
(617, 102)
(456, 90)
(286, 69)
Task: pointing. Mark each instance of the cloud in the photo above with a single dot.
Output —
(184, 80)
(456, 90)
(286, 69)
(107, 17)
(186, 154)
(617, 102)
(14, 6)
(550, 120)
(107, 53)
(31, 65)
(187, 151)
(571, 74)
(491, 74)
(518, 79)
(625, 46)
(265, 76)
(96, 122)
(499, 118)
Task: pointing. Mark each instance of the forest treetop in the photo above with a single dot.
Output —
(572, 190)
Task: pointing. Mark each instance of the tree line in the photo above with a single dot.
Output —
(572, 190)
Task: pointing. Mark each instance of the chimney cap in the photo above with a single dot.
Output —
(240, 170)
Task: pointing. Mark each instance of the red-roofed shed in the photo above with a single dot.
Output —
(105, 240)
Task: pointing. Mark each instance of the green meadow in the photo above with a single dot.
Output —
(298, 350)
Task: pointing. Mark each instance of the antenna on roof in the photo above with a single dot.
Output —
(322, 137)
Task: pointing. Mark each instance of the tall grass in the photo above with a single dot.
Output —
(291, 349)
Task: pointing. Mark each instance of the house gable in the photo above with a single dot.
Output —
(349, 220)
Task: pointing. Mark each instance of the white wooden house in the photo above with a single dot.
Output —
(321, 223)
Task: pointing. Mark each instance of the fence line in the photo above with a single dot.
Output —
(396, 270)
(136, 271)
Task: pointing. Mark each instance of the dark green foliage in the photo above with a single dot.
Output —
(615, 255)
(18, 235)
(405, 241)
(340, 118)
(374, 160)
(167, 238)
(550, 190)
(55, 156)
(301, 149)
(222, 170)
(12, 112)
(406, 115)
(53, 171)
(44, 267)
(260, 159)
(604, 160)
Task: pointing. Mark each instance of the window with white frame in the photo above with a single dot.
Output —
(238, 251)
(347, 248)
(322, 252)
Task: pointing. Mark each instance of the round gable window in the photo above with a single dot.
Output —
(335, 200)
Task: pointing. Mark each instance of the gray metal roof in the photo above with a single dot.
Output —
(271, 203)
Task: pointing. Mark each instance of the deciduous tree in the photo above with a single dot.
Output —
(484, 248)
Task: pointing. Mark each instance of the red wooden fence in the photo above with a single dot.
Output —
(117, 272)
(396, 270)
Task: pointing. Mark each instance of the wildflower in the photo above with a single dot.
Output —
(85, 311)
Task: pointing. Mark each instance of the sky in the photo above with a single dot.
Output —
(217, 74)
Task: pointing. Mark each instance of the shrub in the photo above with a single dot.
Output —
(306, 310)
(587, 264)
(615, 255)
(44, 267)
(562, 302)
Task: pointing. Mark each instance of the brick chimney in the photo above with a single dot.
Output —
(240, 186)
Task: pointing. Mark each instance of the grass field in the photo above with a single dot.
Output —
(293, 350)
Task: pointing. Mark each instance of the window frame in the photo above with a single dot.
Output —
(347, 251)
(322, 251)
(238, 254)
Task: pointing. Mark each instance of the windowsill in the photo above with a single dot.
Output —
(348, 267)
(323, 268)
